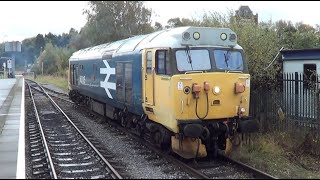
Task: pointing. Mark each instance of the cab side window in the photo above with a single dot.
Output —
(162, 62)
(149, 62)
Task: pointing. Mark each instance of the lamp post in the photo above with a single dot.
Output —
(42, 61)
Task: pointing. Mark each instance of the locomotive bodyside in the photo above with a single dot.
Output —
(112, 82)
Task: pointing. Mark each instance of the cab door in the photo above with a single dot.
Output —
(148, 76)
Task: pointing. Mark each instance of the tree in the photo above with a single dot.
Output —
(286, 33)
(39, 43)
(215, 19)
(304, 27)
(72, 31)
(54, 59)
(28, 50)
(174, 22)
(114, 20)
(51, 38)
(157, 26)
(177, 22)
(83, 39)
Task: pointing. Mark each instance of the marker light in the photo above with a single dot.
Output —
(186, 36)
(233, 37)
(239, 88)
(196, 35)
(243, 110)
(216, 90)
(223, 36)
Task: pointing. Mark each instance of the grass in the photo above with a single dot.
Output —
(279, 154)
(58, 81)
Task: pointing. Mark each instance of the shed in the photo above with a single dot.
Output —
(305, 61)
(301, 82)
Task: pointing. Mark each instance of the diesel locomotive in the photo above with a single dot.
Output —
(187, 87)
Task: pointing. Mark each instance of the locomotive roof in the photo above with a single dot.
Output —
(174, 38)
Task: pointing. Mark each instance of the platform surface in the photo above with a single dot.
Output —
(12, 142)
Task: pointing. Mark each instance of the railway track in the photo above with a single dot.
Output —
(52, 93)
(222, 167)
(58, 148)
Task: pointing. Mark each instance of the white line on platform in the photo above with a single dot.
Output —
(21, 167)
(12, 114)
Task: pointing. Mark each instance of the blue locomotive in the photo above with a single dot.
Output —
(188, 87)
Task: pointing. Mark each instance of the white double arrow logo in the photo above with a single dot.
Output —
(105, 84)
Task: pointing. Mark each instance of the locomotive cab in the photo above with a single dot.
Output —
(200, 91)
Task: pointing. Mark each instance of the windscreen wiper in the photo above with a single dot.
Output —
(226, 58)
(189, 57)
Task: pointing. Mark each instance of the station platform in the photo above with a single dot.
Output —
(12, 128)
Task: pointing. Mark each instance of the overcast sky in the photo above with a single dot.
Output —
(20, 20)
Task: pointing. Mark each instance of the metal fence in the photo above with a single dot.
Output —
(289, 104)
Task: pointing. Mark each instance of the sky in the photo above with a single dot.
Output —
(25, 19)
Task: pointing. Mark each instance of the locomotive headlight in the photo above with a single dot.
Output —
(223, 36)
(243, 110)
(216, 90)
(196, 35)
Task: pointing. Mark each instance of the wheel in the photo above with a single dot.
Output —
(115, 116)
(162, 139)
(157, 138)
(140, 130)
